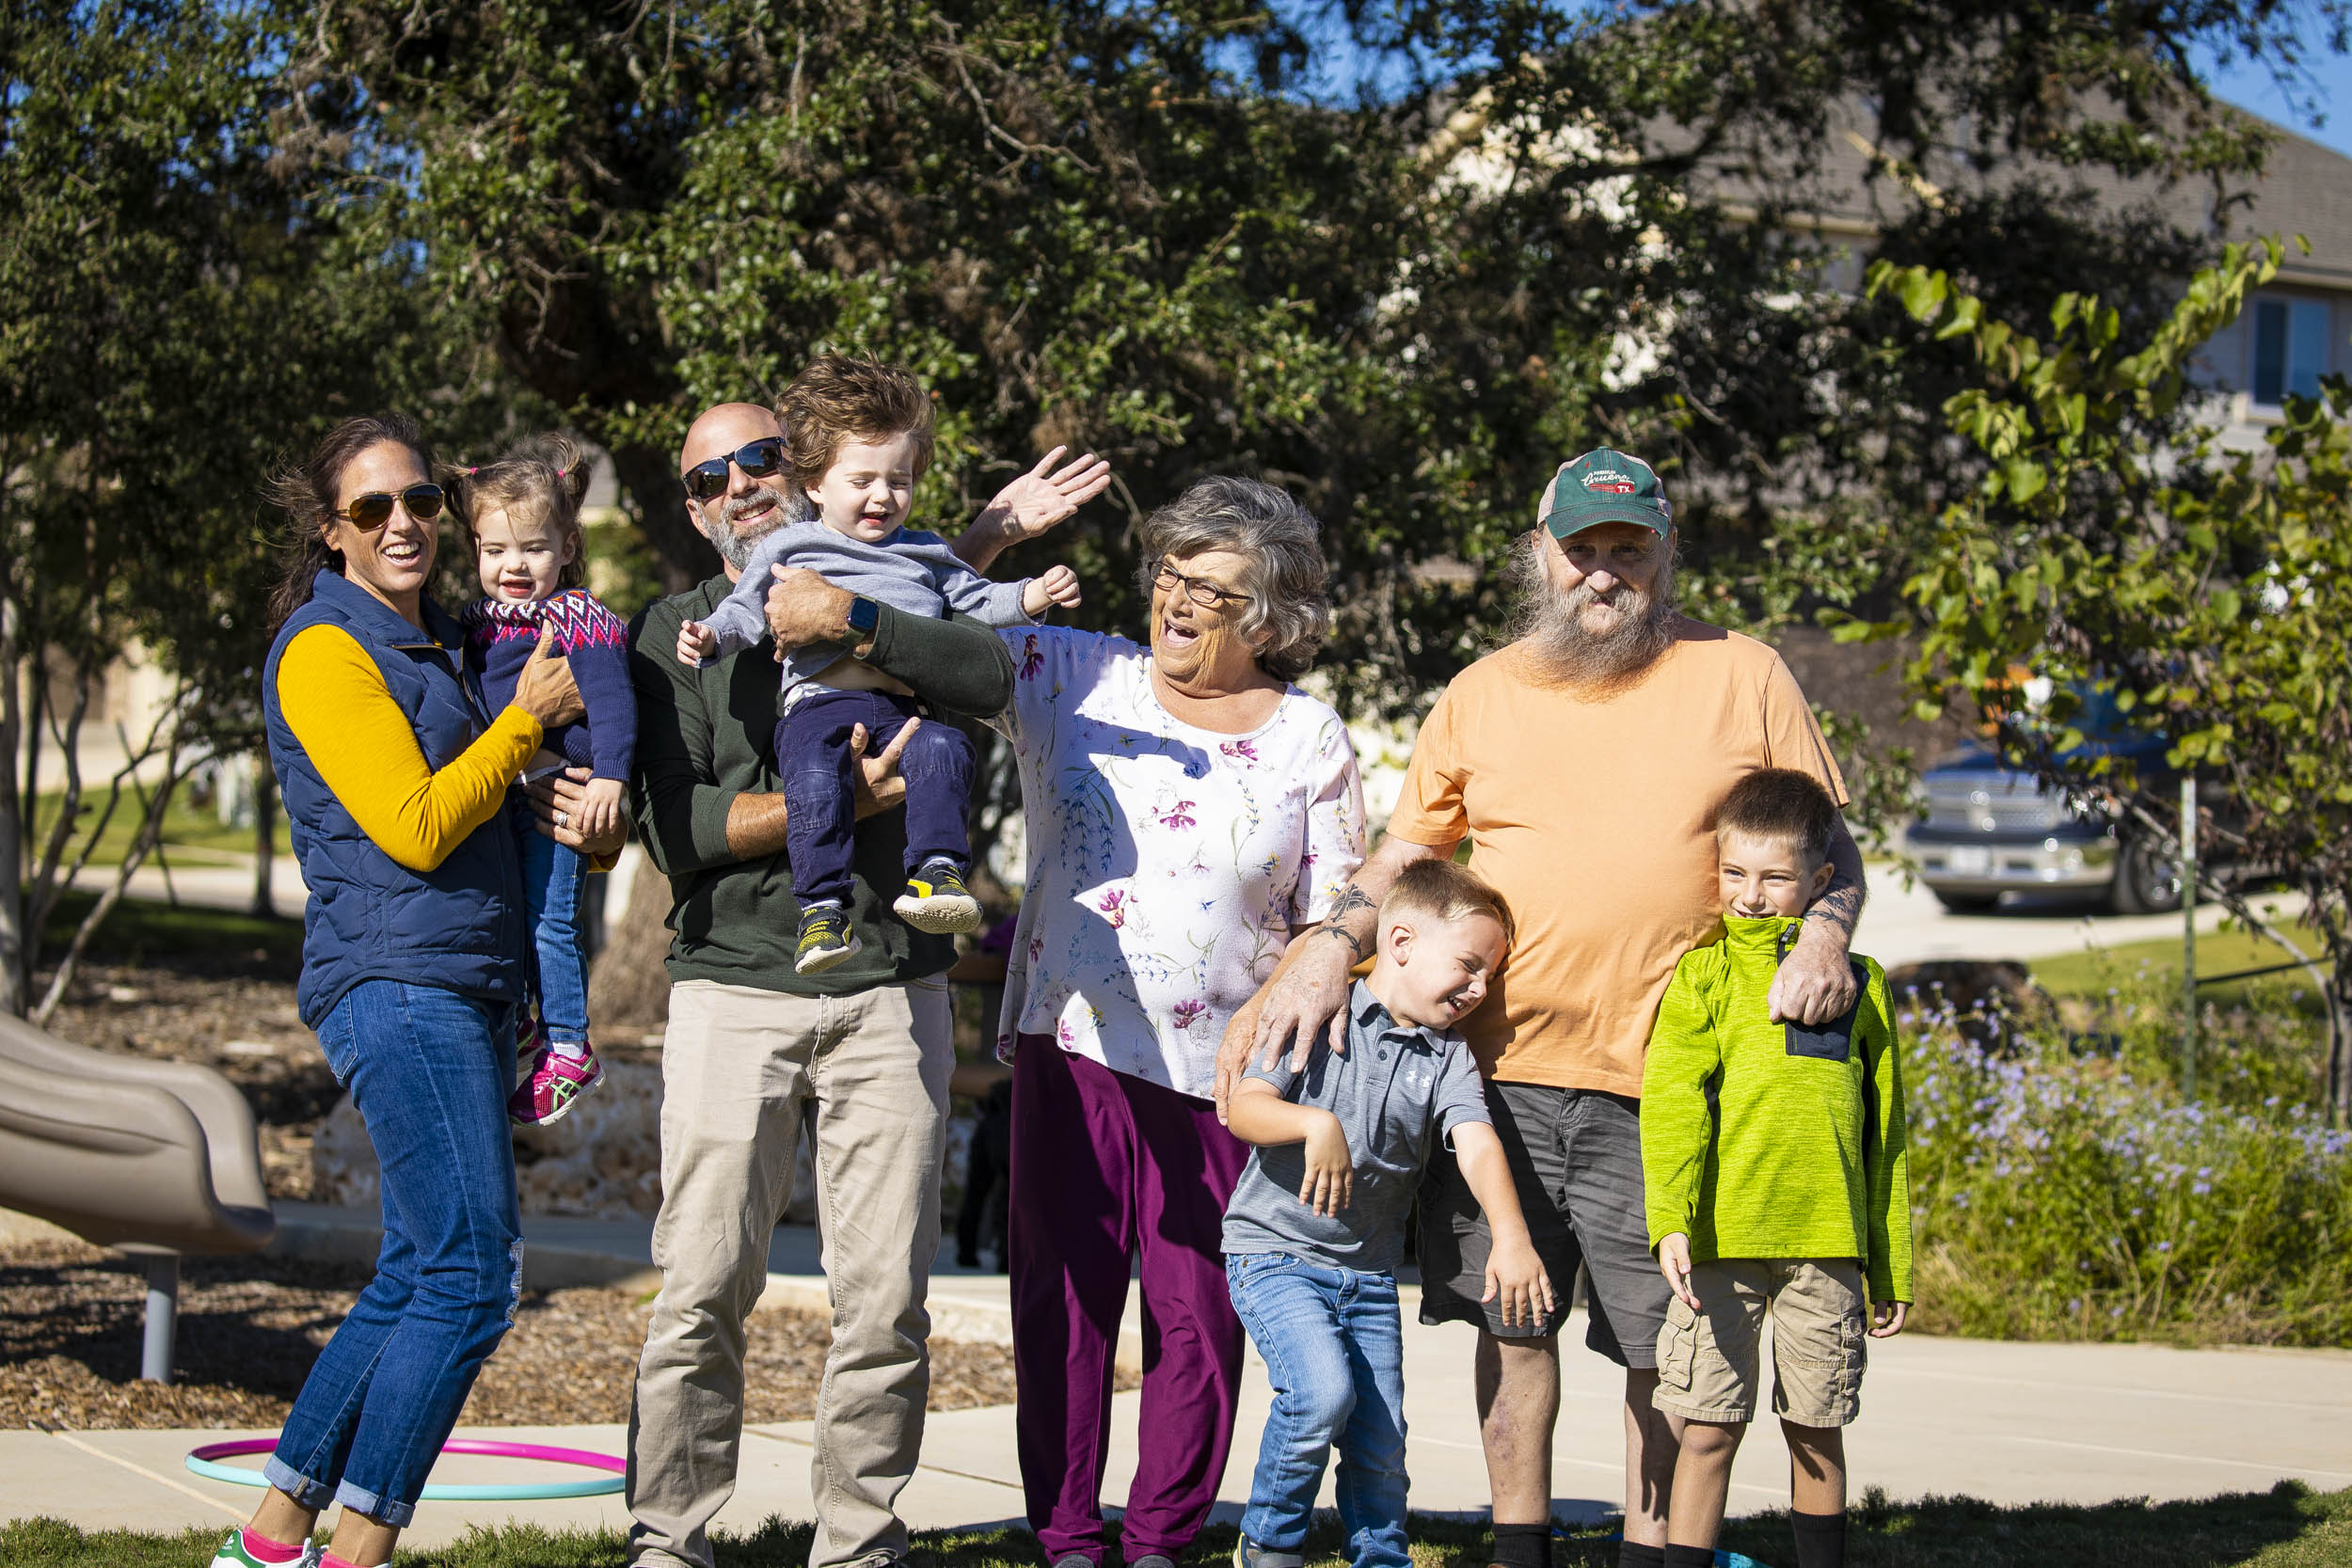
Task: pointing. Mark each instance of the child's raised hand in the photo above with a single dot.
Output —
(695, 642)
(1674, 1261)
(1057, 586)
(601, 808)
(1886, 1318)
(1515, 1274)
(1331, 1169)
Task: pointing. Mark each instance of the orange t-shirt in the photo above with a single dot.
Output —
(1595, 821)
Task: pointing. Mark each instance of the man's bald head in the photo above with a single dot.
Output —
(748, 509)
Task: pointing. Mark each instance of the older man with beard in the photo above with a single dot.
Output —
(1584, 763)
(753, 1048)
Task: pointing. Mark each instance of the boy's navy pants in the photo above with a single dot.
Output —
(820, 786)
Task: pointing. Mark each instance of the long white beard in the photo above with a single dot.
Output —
(1549, 627)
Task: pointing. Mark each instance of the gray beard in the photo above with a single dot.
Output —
(736, 548)
(1548, 627)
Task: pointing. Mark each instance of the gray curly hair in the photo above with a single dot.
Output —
(1277, 536)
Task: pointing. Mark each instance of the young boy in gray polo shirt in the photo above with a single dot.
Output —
(1316, 1224)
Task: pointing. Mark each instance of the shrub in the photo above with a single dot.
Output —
(2065, 1188)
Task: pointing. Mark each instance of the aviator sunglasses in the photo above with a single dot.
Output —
(372, 510)
(757, 460)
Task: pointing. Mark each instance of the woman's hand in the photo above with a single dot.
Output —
(1057, 586)
(804, 608)
(560, 801)
(545, 688)
(1031, 506)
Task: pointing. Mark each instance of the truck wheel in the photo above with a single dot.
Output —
(2146, 879)
(1967, 903)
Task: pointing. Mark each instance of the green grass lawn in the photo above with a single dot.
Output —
(2089, 974)
(185, 827)
(2287, 1527)
(135, 930)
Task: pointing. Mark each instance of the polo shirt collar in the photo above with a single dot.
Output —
(1370, 1012)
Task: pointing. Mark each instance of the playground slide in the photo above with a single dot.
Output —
(159, 1158)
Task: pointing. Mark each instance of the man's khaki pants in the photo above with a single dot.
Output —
(739, 1065)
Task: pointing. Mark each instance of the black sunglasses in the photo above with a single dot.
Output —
(372, 510)
(757, 460)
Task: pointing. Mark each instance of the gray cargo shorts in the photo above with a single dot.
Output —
(1575, 1157)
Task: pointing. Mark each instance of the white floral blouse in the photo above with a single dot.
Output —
(1167, 864)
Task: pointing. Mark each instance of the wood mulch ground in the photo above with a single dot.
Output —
(250, 1328)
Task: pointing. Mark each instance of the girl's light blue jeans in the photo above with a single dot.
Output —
(429, 1070)
(552, 875)
(1335, 1350)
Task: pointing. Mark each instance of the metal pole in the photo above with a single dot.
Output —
(162, 1317)
(2189, 936)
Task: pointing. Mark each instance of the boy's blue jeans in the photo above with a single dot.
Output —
(552, 877)
(1335, 1351)
(430, 1071)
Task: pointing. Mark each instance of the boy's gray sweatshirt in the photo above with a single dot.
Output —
(911, 570)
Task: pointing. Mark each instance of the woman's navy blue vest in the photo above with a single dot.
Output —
(459, 928)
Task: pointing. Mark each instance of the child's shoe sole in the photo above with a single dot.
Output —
(940, 915)
(827, 958)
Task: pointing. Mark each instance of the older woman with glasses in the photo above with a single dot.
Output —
(1188, 811)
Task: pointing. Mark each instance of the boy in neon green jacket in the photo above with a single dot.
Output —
(1775, 1176)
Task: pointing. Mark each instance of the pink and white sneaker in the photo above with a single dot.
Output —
(554, 1083)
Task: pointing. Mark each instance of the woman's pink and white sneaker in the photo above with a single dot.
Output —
(555, 1083)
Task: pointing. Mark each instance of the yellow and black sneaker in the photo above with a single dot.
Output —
(827, 938)
(937, 901)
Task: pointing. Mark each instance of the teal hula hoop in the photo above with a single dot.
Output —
(205, 1462)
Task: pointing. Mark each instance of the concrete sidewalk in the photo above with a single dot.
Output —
(2010, 1424)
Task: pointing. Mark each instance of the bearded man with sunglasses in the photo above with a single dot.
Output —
(752, 1045)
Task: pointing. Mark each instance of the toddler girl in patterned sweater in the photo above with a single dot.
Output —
(524, 510)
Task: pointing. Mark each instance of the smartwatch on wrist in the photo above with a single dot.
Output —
(864, 615)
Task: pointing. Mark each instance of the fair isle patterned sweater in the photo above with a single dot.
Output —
(500, 636)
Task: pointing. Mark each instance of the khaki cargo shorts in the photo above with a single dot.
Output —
(1709, 1361)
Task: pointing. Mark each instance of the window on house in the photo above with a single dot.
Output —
(2291, 348)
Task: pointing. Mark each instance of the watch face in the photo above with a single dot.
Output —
(863, 615)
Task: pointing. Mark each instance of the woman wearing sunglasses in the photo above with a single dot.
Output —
(413, 957)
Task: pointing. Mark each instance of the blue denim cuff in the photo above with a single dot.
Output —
(313, 1495)
(383, 1511)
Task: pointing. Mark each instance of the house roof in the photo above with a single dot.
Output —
(2305, 189)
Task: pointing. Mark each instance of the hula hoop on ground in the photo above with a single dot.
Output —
(205, 1462)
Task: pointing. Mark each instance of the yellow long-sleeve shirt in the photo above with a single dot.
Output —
(334, 699)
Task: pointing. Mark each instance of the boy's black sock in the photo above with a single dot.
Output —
(1690, 1556)
(1632, 1554)
(1523, 1545)
(1821, 1539)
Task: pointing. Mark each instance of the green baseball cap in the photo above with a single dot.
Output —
(1605, 486)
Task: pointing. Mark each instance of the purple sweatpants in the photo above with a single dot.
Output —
(1104, 1164)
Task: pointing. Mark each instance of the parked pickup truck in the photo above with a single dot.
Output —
(1987, 829)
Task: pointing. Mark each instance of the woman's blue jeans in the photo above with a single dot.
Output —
(429, 1071)
(552, 875)
(1335, 1351)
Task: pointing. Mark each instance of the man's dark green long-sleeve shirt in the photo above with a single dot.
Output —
(705, 735)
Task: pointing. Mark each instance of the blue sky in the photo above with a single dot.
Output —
(2252, 90)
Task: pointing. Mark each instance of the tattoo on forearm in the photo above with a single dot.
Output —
(1841, 906)
(1335, 924)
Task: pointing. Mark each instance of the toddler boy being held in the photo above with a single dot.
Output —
(1772, 1156)
(1316, 1224)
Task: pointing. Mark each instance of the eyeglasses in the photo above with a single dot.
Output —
(372, 510)
(1200, 590)
(757, 460)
